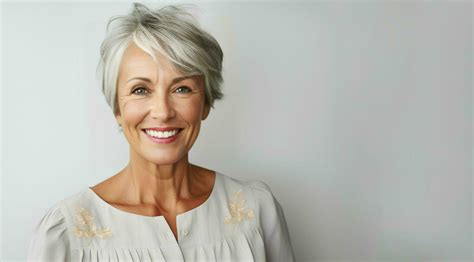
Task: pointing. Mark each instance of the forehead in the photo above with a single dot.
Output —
(136, 61)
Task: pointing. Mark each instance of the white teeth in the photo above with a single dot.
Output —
(161, 134)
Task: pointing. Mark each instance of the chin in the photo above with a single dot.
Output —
(160, 159)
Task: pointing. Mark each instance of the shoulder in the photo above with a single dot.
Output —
(258, 188)
(50, 239)
(264, 206)
(71, 204)
(54, 223)
(56, 216)
(256, 194)
(232, 182)
(53, 218)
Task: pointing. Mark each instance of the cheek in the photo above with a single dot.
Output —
(133, 111)
(191, 111)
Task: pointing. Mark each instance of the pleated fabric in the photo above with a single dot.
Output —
(240, 221)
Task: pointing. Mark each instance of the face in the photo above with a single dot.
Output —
(152, 95)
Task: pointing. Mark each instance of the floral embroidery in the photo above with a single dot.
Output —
(238, 211)
(86, 228)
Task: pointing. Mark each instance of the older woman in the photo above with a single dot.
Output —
(161, 76)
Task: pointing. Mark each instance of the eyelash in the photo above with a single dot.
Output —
(144, 88)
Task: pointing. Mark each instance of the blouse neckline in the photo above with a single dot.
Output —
(212, 195)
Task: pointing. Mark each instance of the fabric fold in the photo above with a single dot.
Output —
(50, 240)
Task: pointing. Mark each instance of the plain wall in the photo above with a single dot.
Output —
(357, 114)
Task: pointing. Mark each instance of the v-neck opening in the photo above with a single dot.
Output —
(123, 212)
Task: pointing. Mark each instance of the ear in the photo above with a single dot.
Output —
(205, 112)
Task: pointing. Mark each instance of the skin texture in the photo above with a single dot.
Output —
(158, 180)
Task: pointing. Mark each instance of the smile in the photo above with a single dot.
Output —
(162, 136)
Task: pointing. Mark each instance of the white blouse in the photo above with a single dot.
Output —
(240, 221)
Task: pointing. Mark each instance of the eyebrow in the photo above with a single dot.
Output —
(176, 80)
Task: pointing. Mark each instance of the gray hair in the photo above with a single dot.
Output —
(169, 31)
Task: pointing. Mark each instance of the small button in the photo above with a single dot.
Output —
(185, 232)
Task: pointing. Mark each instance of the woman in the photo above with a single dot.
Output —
(161, 75)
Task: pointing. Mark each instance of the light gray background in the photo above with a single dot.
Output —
(357, 114)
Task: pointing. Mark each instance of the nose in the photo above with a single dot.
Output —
(161, 107)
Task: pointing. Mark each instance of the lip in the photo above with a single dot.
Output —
(163, 140)
(162, 128)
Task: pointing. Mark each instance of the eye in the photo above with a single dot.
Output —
(139, 88)
(184, 89)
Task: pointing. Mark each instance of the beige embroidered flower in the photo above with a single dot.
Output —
(238, 211)
(86, 228)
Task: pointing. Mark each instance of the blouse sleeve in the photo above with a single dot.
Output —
(49, 240)
(272, 221)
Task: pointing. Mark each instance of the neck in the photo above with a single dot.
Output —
(163, 185)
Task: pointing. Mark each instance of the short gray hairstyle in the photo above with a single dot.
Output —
(170, 31)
